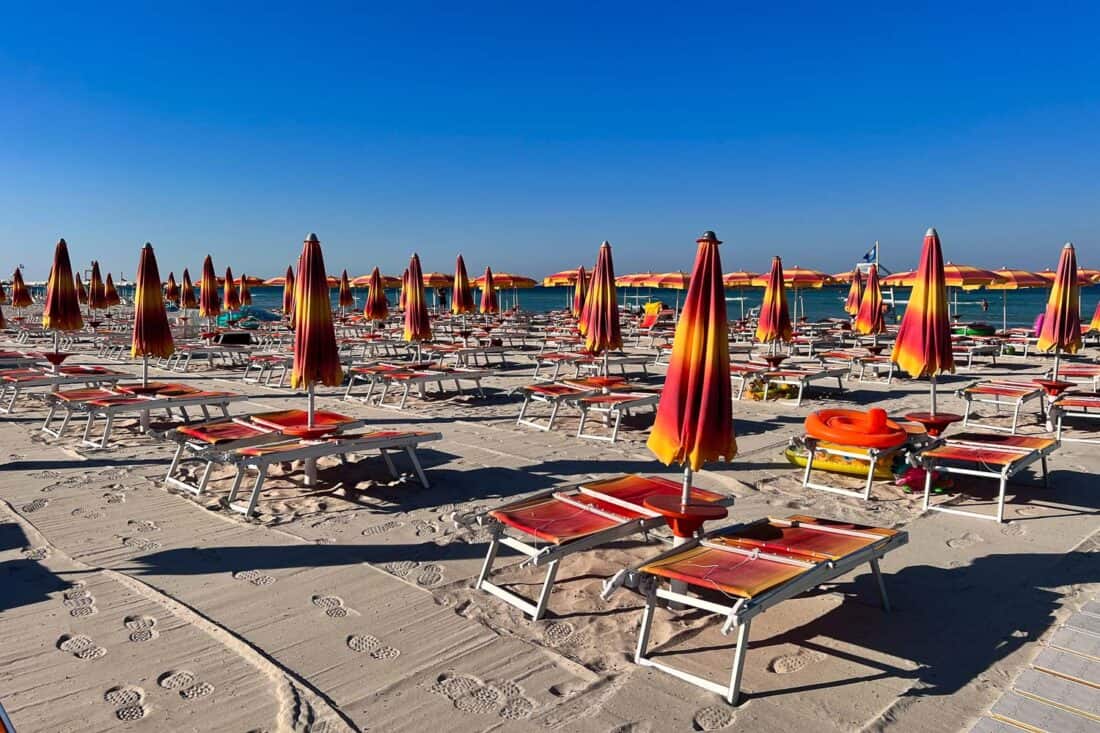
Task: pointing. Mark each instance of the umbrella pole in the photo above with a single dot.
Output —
(1004, 310)
(144, 370)
(933, 395)
(679, 586)
(741, 297)
(1057, 363)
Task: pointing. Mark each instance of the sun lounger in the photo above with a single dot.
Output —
(407, 379)
(612, 406)
(1079, 372)
(570, 520)
(745, 372)
(860, 358)
(14, 382)
(375, 374)
(796, 376)
(266, 367)
(554, 394)
(1000, 393)
(873, 458)
(968, 351)
(998, 457)
(753, 567)
(16, 360)
(1083, 406)
(260, 457)
(556, 359)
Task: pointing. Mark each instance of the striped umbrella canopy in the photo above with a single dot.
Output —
(797, 278)
(231, 299)
(245, 295)
(20, 296)
(855, 292)
(634, 280)
(110, 293)
(1050, 276)
(774, 324)
(152, 336)
(251, 280)
(81, 291)
(580, 292)
(62, 309)
(844, 278)
(564, 278)
(738, 279)
(209, 304)
(669, 281)
(171, 290)
(277, 281)
(316, 356)
(345, 299)
(403, 295)
(489, 303)
(511, 281)
(900, 279)
(288, 293)
(187, 292)
(1061, 331)
(1013, 280)
(602, 332)
(389, 282)
(923, 345)
(462, 298)
(869, 318)
(97, 292)
(418, 327)
(964, 277)
(377, 307)
(694, 422)
(437, 280)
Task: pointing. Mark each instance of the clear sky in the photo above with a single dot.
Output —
(523, 134)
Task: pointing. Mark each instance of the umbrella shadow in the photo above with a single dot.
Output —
(25, 581)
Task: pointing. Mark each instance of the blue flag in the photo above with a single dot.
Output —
(872, 253)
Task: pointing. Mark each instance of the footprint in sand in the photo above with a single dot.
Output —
(558, 633)
(79, 601)
(127, 700)
(333, 606)
(36, 553)
(791, 663)
(141, 628)
(401, 568)
(255, 577)
(712, 717)
(425, 529)
(470, 695)
(140, 543)
(114, 497)
(378, 529)
(373, 646)
(1013, 529)
(968, 539)
(80, 646)
(86, 513)
(35, 506)
(429, 575)
(144, 525)
(186, 684)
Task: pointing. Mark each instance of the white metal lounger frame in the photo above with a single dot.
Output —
(457, 375)
(1058, 412)
(9, 390)
(745, 374)
(740, 613)
(312, 450)
(613, 412)
(1017, 402)
(555, 402)
(1027, 456)
(197, 450)
(871, 457)
(783, 376)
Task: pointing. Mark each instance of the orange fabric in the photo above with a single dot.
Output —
(417, 325)
(377, 306)
(171, 290)
(4, 295)
(20, 296)
(110, 294)
(855, 293)
(402, 297)
(97, 298)
(187, 292)
(81, 292)
(231, 300)
(316, 357)
(869, 318)
(462, 298)
(580, 292)
(775, 319)
(345, 299)
(923, 345)
(1062, 324)
(152, 336)
(209, 305)
(602, 330)
(62, 309)
(489, 302)
(245, 295)
(694, 422)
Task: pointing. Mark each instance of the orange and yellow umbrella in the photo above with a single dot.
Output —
(489, 303)
(694, 422)
(869, 318)
(4, 295)
(774, 324)
(62, 309)
(377, 307)
(923, 345)
(171, 290)
(288, 293)
(796, 278)
(3, 320)
(1050, 276)
(417, 325)
(1061, 331)
(345, 299)
(1013, 280)
(511, 281)
(209, 304)
(403, 295)
(81, 292)
(110, 293)
(580, 292)
(462, 298)
(602, 332)
(20, 296)
(97, 293)
(668, 281)
(634, 279)
(564, 278)
(316, 356)
(231, 299)
(855, 293)
(245, 295)
(152, 336)
(904, 279)
(437, 280)
(738, 279)
(187, 292)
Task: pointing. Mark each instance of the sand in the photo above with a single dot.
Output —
(349, 605)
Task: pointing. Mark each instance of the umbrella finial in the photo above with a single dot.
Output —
(312, 237)
(61, 241)
(709, 236)
(1068, 245)
(605, 243)
(931, 232)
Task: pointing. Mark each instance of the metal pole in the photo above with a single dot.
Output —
(309, 416)
(1004, 310)
(933, 392)
(685, 494)
(144, 370)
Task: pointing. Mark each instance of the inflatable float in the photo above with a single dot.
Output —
(855, 432)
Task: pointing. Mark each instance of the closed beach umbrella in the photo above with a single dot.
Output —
(923, 345)
(152, 336)
(489, 303)
(3, 320)
(288, 293)
(404, 294)
(110, 294)
(462, 298)
(81, 291)
(316, 356)
(774, 324)
(1013, 280)
(869, 318)
(171, 290)
(797, 278)
(246, 295)
(231, 299)
(1061, 332)
(417, 326)
(377, 307)
(4, 294)
(602, 330)
(694, 422)
(187, 292)
(855, 293)
(20, 296)
(580, 292)
(97, 293)
(62, 309)
(345, 299)
(209, 304)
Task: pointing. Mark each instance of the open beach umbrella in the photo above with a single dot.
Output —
(669, 281)
(489, 303)
(81, 291)
(288, 293)
(694, 422)
(417, 325)
(245, 295)
(1013, 280)
(437, 280)
(152, 336)
(231, 299)
(580, 292)
(855, 293)
(774, 324)
(110, 293)
(209, 304)
(171, 290)
(739, 279)
(904, 279)
(97, 293)
(62, 309)
(513, 282)
(1061, 332)
(462, 298)
(565, 278)
(602, 332)
(1050, 276)
(345, 299)
(187, 292)
(377, 306)
(869, 318)
(316, 355)
(20, 296)
(923, 345)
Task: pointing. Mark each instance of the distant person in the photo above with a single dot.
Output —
(984, 304)
(441, 294)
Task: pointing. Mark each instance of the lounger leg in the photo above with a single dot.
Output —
(738, 662)
(389, 462)
(870, 475)
(966, 413)
(523, 409)
(553, 414)
(1046, 475)
(584, 418)
(1001, 498)
(615, 429)
(881, 585)
(646, 625)
(261, 472)
(490, 558)
(927, 486)
(547, 586)
(236, 484)
(411, 450)
(107, 431)
(175, 463)
(205, 478)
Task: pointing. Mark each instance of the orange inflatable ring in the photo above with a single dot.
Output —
(869, 429)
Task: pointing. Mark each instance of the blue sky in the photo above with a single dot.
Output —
(522, 135)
